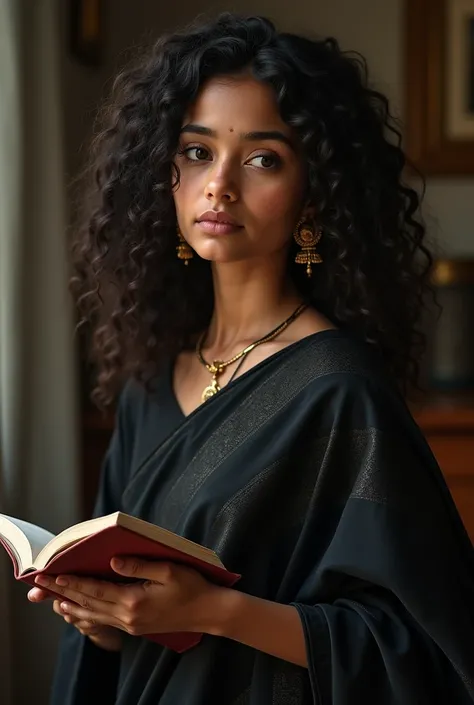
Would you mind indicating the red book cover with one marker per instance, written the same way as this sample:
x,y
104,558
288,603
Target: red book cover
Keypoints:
x,y
91,557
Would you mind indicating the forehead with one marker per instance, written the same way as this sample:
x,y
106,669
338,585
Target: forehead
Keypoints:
x,y
239,103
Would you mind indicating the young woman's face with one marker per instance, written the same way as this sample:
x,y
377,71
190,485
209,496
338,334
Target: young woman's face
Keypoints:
x,y
238,162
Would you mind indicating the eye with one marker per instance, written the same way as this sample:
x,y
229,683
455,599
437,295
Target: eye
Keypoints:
x,y
196,154
265,161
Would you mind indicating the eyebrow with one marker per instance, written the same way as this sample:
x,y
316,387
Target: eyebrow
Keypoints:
x,y
256,136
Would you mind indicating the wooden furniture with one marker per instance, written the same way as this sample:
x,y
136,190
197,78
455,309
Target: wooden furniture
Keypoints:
x,y
448,426
431,74
96,433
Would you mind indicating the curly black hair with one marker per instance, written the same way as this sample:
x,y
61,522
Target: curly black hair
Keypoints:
x,y
142,305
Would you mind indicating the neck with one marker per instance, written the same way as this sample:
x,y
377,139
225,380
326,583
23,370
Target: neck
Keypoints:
x,y
250,301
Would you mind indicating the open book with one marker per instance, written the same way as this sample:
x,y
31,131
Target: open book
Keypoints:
x,y
87,549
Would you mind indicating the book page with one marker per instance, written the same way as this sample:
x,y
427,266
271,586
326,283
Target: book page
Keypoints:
x,y
35,536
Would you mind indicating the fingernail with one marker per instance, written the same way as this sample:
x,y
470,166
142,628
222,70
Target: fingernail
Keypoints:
x,y
64,606
42,580
62,581
119,563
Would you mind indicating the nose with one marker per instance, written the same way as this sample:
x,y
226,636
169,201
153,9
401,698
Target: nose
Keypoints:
x,y
221,186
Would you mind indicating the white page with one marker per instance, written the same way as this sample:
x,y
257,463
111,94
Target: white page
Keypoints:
x,y
37,537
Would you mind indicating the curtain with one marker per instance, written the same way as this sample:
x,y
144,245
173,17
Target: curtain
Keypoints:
x,y
38,395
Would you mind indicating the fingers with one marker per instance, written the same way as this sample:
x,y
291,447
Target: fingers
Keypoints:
x,y
85,626
69,618
91,621
156,571
57,607
94,595
38,595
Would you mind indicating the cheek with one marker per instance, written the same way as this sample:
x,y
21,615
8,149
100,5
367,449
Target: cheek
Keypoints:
x,y
277,203
274,204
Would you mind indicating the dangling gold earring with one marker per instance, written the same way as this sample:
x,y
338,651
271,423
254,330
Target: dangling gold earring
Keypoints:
x,y
184,250
307,239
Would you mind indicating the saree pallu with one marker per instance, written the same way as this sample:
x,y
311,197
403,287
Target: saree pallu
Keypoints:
x,y
309,477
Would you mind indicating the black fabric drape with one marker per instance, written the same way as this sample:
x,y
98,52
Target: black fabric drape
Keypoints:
x,y
309,477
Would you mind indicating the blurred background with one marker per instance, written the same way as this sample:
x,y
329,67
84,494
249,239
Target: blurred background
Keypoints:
x,y
57,61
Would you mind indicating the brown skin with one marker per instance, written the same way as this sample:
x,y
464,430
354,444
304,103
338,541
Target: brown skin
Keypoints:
x,y
108,638
260,183
172,598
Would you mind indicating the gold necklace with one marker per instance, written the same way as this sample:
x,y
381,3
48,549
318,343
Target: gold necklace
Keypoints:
x,y
217,367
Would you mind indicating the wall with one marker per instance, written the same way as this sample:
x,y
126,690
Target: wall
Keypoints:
x,y
85,88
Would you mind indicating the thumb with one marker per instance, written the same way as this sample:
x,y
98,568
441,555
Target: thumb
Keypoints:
x,y
38,595
134,568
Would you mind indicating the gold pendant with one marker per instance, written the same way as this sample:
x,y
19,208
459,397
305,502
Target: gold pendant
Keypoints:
x,y
211,390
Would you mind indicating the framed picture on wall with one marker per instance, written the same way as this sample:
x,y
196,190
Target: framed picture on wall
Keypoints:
x,y
439,80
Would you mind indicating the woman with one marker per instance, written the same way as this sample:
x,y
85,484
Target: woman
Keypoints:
x,y
264,273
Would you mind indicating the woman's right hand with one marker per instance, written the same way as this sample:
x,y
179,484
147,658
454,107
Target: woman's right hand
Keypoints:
x,y
104,637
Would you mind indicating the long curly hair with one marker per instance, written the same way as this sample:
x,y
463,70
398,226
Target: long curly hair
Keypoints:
x,y
142,305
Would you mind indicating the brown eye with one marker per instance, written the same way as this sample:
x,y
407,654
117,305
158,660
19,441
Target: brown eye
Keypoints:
x,y
265,161
196,154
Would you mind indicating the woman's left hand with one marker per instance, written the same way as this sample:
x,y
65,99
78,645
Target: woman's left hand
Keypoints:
x,y
171,598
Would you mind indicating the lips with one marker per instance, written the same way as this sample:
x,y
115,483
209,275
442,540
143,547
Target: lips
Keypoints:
x,y
217,223
218,217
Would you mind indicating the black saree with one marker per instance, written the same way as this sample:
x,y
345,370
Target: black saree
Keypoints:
x,y
309,477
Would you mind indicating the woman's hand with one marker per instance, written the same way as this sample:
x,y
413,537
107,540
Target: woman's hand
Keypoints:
x,y
172,598
106,638
168,598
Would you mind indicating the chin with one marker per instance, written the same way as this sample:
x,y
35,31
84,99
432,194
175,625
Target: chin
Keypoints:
x,y
218,254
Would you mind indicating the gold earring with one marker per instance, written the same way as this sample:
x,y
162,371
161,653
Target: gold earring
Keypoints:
x,y
183,249
307,239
